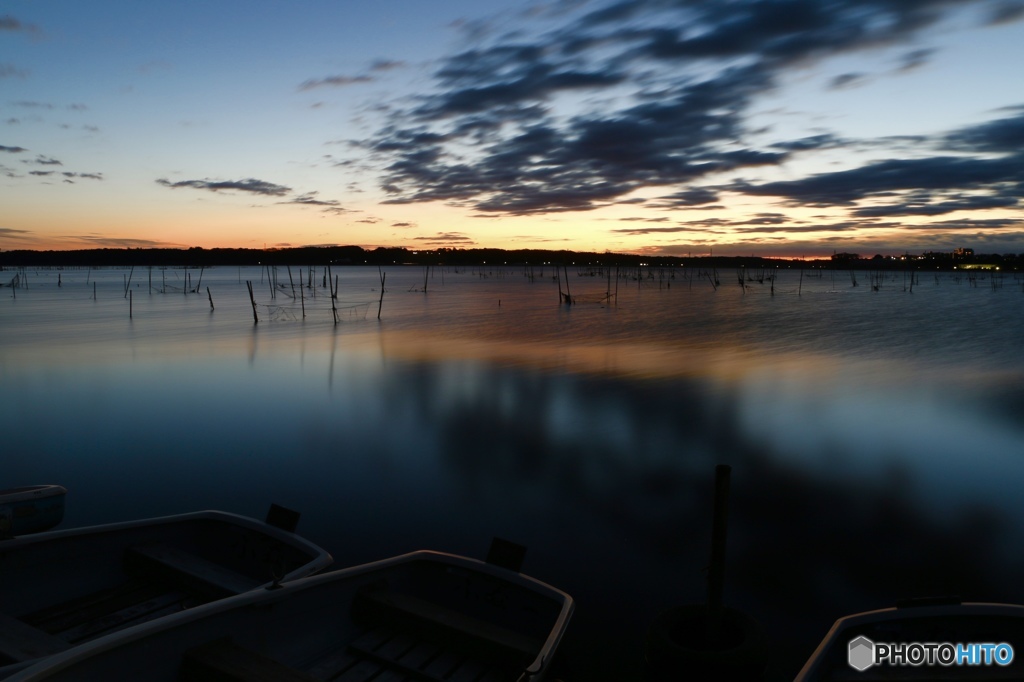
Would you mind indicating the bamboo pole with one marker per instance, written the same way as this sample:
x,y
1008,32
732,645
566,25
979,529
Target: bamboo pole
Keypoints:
x,y
211,297
380,303
334,294
252,299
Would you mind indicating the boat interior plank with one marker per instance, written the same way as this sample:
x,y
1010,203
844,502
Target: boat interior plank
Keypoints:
x,y
188,569
22,642
89,607
162,605
476,637
223,660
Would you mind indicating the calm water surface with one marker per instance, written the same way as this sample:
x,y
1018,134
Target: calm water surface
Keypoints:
x,y
876,437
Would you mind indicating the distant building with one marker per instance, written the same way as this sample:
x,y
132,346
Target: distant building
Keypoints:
x,y
963,253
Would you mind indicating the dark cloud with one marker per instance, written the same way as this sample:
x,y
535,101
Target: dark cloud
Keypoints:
x,y
937,208
638,219
844,188
846,80
11,71
100,241
1006,12
251,185
776,32
589,162
334,81
812,142
309,199
915,59
442,238
503,76
670,84
41,160
665,230
42,173
11,233
12,150
9,23
968,224
386,65
1001,136
403,224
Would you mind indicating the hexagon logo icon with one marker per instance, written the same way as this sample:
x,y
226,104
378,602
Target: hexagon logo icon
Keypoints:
x,y
861,655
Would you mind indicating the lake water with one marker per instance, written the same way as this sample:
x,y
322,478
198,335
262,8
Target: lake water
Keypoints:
x,y
876,437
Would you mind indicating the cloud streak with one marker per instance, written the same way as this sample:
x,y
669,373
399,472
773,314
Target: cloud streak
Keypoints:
x,y
248,185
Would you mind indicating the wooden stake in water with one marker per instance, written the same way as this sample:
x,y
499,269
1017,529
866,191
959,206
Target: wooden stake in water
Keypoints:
x,y
252,299
129,304
334,293
302,294
716,568
380,303
211,297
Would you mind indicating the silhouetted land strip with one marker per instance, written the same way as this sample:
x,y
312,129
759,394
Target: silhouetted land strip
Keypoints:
x,y
355,255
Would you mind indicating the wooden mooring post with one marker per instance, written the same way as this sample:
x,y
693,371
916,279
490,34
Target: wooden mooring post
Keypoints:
x,y
252,299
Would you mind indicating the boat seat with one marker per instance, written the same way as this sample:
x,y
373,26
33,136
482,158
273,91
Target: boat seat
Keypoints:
x,y
22,642
191,570
222,660
452,628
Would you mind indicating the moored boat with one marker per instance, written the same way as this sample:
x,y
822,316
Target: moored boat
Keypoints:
x,y
62,588
31,509
930,639
424,616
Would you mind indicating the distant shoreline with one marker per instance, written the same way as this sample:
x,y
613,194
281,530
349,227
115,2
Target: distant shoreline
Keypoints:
x,y
356,255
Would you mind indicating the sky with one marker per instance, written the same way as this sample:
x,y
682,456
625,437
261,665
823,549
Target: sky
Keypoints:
x,y
780,128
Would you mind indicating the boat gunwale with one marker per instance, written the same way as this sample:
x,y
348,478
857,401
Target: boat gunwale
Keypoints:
x,y
319,558
29,493
266,595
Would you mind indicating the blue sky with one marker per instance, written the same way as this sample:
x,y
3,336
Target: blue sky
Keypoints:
x,y
768,127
